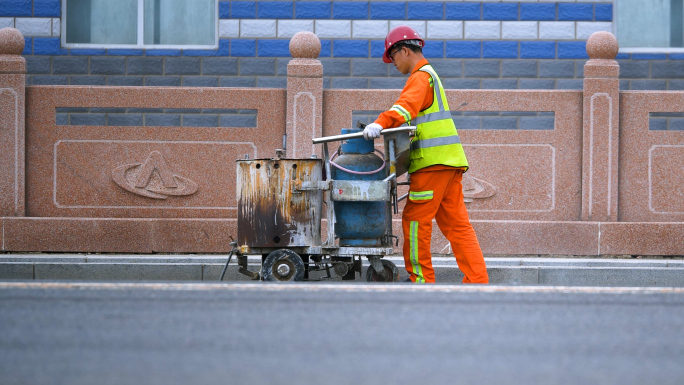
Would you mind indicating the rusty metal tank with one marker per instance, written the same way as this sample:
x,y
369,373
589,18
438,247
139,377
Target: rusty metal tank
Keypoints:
x,y
272,211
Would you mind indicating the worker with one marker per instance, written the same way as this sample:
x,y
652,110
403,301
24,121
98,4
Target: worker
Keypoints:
x,y
437,164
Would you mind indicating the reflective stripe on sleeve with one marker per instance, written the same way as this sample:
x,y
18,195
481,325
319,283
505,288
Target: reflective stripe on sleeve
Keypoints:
x,y
402,111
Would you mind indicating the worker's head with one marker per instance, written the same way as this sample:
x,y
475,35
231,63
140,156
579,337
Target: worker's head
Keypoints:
x,y
399,38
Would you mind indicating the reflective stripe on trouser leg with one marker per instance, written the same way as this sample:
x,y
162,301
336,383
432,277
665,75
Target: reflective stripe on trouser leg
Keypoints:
x,y
421,195
413,245
416,222
416,249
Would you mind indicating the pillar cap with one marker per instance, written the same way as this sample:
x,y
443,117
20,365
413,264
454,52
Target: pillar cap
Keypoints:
x,y
305,45
602,45
11,41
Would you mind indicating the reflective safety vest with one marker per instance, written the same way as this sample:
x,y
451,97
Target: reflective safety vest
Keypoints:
x,y
436,140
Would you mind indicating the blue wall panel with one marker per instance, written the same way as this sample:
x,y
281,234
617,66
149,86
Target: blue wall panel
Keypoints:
x,y
425,11
15,8
243,47
396,11
540,12
578,11
463,11
572,50
350,48
499,49
537,50
350,10
313,10
243,9
463,49
46,8
275,10
603,12
500,11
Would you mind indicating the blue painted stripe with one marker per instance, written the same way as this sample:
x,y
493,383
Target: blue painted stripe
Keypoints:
x,y
356,48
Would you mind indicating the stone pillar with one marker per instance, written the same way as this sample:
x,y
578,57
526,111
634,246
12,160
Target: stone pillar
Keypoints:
x,y
12,111
304,96
601,130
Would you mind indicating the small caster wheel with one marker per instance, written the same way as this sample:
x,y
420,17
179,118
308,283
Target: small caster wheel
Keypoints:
x,y
391,273
283,265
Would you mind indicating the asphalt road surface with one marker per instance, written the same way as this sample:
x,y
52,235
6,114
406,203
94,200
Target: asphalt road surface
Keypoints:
x,y
257,333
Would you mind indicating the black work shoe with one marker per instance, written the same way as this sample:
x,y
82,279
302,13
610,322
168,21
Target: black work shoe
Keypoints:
x,y
407,280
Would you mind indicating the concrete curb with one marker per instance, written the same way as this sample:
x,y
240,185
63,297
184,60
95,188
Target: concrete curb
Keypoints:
x,y
508,270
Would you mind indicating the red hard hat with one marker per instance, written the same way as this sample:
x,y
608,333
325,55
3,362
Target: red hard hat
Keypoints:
x,y
400,33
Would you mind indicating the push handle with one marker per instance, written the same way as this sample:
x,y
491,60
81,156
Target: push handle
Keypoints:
x,y
335,138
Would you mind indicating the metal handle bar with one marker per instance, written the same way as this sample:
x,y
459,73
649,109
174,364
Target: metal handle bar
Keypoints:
x,y
388,131
335,138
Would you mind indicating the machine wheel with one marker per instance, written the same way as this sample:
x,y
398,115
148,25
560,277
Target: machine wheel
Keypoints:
x,y
283,265
391,273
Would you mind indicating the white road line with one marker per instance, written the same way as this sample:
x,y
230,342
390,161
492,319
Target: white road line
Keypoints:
x,y
356,288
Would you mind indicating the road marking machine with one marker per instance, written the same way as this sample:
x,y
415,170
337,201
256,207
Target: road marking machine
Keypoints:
x,y
280,207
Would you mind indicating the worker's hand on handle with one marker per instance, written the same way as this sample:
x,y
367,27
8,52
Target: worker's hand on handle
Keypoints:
x,y
372,131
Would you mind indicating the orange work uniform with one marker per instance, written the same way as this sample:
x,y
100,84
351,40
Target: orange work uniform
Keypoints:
x,y
435,193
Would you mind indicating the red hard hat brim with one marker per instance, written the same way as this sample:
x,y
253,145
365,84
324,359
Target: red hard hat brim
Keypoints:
x,y
386,58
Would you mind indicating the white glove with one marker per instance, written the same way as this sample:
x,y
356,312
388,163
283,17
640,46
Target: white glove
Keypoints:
x,y
372,131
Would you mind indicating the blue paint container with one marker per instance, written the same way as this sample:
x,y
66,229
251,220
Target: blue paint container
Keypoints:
x,y
359,223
